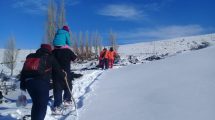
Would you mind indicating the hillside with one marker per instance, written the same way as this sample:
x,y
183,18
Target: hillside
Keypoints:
x,y
177,88
148,86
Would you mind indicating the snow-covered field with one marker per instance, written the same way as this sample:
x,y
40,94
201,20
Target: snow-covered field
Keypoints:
x,y
179,87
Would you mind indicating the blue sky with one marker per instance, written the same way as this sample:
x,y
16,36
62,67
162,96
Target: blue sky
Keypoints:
x,y
132,20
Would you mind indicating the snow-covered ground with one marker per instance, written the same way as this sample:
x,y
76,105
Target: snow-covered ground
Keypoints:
x,y
175,88
169,47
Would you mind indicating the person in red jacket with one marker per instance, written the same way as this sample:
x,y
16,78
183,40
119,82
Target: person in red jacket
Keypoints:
x,y
103,59
111,56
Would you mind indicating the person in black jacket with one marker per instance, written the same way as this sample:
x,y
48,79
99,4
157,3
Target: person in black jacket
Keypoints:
x,y
38,86
64,57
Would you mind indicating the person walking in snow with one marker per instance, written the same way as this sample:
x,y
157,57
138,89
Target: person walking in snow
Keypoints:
x,y
62,38
111,56
106,61
64,58
101,58
35,78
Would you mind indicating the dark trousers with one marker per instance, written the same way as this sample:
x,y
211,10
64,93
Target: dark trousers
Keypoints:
x,y
39,92
106,63
60,87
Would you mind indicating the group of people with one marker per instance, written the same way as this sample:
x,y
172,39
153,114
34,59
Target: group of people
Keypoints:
x,y
45,65
57,67
107,57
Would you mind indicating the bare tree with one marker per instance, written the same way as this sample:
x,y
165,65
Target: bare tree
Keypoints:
x,y
10,54
81,40
90,45
112,39
61,15
97,43
51,22
100,43
87,49
75,44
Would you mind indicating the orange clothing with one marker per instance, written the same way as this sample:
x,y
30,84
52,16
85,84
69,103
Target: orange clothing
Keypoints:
x,y
112,55
110,61
107,54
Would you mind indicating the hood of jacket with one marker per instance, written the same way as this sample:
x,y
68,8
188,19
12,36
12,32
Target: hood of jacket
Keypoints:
x,y
43,51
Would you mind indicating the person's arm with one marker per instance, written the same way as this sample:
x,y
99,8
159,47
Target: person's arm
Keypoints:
x,y
22,79
72,55
22,82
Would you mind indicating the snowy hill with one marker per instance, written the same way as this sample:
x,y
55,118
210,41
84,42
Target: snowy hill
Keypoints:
x,y
139,50
164,48
152,90
177,88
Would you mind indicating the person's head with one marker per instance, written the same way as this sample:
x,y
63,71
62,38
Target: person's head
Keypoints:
x,y
66,28
111,48
105,49
48,47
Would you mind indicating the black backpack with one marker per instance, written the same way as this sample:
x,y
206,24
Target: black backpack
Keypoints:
x,y
35,65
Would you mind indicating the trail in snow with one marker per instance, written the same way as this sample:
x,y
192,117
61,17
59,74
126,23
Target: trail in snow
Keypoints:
x,y
81,88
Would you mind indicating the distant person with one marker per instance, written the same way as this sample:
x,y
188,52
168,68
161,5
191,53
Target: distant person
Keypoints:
x,y
62,38
111,56
101,58
35,77
106,62
64,58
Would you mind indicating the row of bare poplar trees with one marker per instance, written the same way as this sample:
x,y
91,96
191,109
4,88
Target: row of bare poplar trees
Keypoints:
x,y
86,45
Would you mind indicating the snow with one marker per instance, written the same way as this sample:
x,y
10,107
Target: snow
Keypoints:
x,y
178,87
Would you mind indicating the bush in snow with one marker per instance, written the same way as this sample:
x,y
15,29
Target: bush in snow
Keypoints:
x,y
133,59
200,46
153,57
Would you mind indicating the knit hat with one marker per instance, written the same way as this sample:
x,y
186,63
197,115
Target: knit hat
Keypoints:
x,y
46,46
111,48
66,28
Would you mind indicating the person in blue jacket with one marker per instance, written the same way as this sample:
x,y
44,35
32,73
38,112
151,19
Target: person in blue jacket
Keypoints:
x,y
62,38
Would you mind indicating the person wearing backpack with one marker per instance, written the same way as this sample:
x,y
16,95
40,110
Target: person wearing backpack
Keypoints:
x,y
35,78
62,38
64,58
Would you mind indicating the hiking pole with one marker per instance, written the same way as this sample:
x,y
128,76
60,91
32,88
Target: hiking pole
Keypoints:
x,y
70,91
